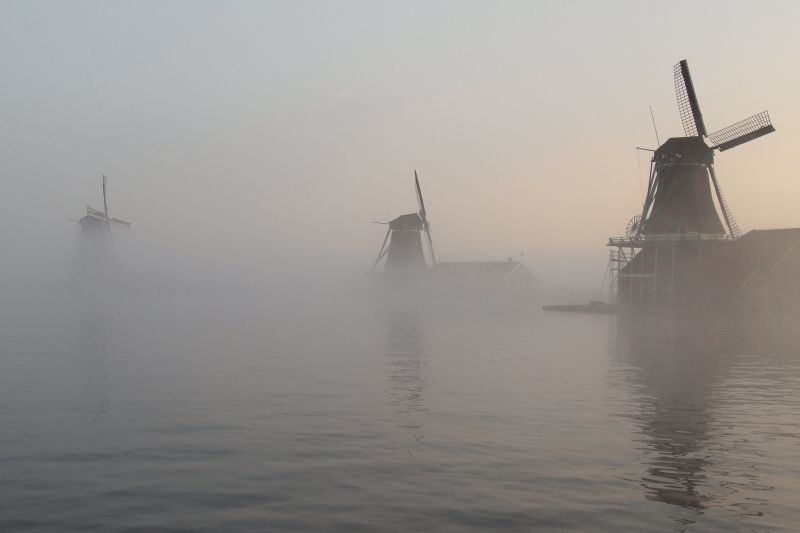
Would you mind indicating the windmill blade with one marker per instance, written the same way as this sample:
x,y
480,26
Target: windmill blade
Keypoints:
x,y
105,199
689,109
383,251
743,131
733,227
430,242
424,216
120,222
420,201
652,186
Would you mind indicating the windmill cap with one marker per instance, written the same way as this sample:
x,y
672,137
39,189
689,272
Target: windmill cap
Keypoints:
x,y
685,149
409,222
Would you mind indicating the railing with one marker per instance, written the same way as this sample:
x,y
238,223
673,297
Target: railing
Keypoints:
x,y
644,240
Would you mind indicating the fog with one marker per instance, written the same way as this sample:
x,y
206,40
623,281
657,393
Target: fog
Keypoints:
x,y
230,362
258,141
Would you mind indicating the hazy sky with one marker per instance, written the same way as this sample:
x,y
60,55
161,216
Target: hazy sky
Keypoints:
x,y
256,138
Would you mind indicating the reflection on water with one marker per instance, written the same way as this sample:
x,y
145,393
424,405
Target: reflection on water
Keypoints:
x,y
90,347
693,389
93,345
675,397
209,412
406,362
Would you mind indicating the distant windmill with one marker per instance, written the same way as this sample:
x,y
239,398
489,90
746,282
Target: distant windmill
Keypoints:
x,y
679,199
95,243
402,245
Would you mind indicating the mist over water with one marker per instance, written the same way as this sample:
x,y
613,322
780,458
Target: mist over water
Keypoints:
x,y
240,409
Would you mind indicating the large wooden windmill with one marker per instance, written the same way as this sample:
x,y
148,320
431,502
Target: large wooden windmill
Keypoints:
x,y
402,247
679,224
679,198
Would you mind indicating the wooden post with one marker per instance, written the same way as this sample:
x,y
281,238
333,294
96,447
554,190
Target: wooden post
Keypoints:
x,y
672,283
641,278
655,278
630,278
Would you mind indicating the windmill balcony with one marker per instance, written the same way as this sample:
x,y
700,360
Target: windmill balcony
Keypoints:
x,y
644,240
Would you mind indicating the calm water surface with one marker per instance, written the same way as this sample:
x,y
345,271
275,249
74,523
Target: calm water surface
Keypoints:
x,y
255,412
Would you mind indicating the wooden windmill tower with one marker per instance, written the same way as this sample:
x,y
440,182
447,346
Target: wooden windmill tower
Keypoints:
x,y
402,247
679,222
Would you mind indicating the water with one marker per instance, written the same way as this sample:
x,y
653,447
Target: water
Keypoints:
x,y
217,412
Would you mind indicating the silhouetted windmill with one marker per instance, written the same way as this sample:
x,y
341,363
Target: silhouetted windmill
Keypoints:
x,y
679,226
95,243
402,245
679,197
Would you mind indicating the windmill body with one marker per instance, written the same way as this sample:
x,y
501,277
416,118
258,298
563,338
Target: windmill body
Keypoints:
x,y
683,202
93,245
680,227
405,246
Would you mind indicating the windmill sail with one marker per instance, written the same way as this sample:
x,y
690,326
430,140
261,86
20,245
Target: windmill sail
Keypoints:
x,y
688,107
743,131
424,215
420,200
91,211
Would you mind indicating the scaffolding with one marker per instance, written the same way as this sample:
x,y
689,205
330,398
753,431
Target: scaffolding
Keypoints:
x,y
617,260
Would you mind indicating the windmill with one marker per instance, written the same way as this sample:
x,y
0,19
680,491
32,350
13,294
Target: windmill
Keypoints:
x,y
95,243
679,225
402,247
679,199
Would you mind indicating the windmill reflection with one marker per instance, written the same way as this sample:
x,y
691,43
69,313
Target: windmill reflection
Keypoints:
x,y
672,369
406,360
91,345
708,396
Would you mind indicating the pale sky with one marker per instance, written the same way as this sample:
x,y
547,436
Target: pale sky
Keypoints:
x,y
258,138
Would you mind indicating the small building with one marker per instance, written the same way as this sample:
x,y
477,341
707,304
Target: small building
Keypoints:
x,y
485,277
